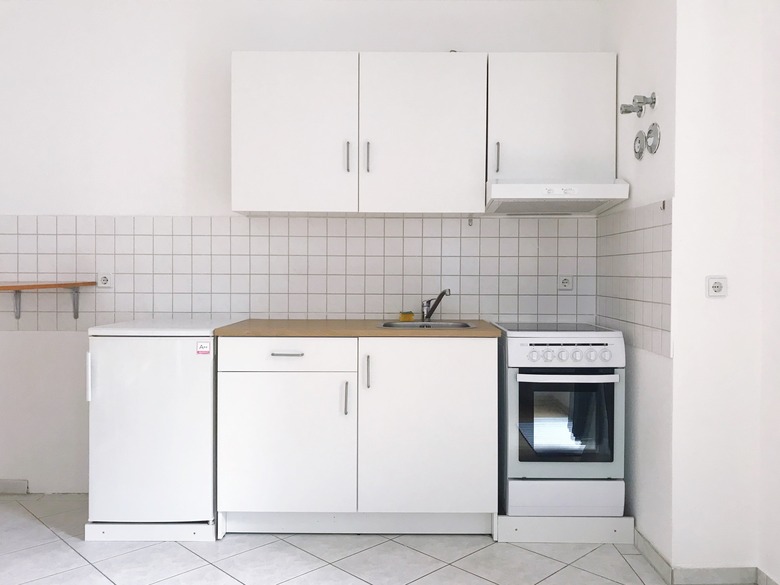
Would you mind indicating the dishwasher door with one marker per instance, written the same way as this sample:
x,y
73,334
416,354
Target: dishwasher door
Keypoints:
x,y
151,429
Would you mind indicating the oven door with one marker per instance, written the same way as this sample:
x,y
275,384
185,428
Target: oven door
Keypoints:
x,y
565,423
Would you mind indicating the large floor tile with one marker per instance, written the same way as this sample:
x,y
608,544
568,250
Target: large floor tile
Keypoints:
x,y
87,575
389,564
67,524
270,564
564,552
574,576
645,570
51,504
506,564
608,562
19,529
230,545
627,549
150,564
95,552
20,497
328,575
208,575
451,576
446,547
334,547
36,562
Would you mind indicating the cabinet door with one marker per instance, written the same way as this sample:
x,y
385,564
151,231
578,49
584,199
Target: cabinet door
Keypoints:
x,y
554,116
422,132
293,117
287,442
428,425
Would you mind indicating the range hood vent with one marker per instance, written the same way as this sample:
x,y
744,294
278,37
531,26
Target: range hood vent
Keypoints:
x,y
554,198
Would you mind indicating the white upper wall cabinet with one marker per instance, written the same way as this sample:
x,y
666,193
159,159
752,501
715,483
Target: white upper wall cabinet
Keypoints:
x,y
551,117
422,132
294,131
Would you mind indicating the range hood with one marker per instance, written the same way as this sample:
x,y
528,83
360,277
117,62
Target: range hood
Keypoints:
x,y
574,198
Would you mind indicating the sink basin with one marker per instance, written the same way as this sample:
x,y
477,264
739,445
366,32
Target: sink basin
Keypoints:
x,y
426,324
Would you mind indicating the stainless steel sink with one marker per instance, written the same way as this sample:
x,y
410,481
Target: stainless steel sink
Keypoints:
x,y
426,324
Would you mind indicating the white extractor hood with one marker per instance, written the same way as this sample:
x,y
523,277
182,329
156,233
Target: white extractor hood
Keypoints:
x,y
574,198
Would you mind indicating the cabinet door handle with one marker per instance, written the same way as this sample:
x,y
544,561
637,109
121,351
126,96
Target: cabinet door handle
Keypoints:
x,y
368,371
368,157
346,398
281,354
498,156
347,155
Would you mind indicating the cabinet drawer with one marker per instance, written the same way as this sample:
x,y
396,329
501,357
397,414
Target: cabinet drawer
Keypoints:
x,y
287,354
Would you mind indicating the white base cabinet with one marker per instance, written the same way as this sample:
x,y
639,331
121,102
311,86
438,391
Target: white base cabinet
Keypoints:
x,y
412,429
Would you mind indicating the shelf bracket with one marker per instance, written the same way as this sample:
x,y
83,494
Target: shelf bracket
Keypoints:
x,y
18,304
74,292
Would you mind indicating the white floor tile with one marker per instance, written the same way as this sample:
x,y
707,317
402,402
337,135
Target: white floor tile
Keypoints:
x,y
564,552
334,547
67,524
230,545
207,575
645,570
149,565
574,576
389,564
87,575
270,564
20,530
451,576
20,497
328,575
51,504
95,552
509,565
446,547
627,549
37,562
608,562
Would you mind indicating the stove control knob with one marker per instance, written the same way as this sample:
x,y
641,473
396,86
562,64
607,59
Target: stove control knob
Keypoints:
x,y
606,355
533,356
549,355
576,355
591,355
563,355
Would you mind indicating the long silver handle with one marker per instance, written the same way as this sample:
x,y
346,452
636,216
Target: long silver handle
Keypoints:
x,y
346,398
368,157
89,377
498,156
562,379
368,371
347,155
280,354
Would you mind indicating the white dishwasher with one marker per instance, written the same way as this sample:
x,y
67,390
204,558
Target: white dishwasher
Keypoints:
x,y
150,387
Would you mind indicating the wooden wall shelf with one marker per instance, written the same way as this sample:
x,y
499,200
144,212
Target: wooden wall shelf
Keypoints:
x,y
18,287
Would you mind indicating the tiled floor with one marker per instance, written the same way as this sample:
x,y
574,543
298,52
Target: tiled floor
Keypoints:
x,y
42,541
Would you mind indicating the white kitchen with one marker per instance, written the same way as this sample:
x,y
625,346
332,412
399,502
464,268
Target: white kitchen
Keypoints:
x,y
117,158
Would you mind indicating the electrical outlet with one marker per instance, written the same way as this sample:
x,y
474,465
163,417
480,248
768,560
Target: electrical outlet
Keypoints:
x,y
565,283
105,280
717,286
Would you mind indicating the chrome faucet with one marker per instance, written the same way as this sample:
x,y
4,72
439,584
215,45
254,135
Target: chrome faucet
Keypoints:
x,y
428,309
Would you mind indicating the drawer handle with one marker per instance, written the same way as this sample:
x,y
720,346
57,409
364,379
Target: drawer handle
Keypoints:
x,y
281,354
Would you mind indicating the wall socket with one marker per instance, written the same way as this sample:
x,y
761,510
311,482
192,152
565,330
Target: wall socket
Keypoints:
x,y
565,282
105,280
717,286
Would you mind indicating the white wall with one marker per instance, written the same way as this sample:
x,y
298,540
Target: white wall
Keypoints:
x,y
717,365
43,419
123,108
643,35
770,402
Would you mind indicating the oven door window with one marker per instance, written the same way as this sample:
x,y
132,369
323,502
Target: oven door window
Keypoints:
x,y
566,415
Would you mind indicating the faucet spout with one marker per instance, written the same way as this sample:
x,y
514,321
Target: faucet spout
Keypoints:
x,y
428,309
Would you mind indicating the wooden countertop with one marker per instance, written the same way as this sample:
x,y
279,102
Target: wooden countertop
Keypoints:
x,y
37,285
345,328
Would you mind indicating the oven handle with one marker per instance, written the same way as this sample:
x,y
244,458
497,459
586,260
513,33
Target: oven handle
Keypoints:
x,y
563,379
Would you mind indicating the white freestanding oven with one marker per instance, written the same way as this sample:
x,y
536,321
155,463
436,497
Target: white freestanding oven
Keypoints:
x,y
562,426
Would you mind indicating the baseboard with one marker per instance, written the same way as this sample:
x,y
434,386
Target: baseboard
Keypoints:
x,y
764,579
13,486
656,560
